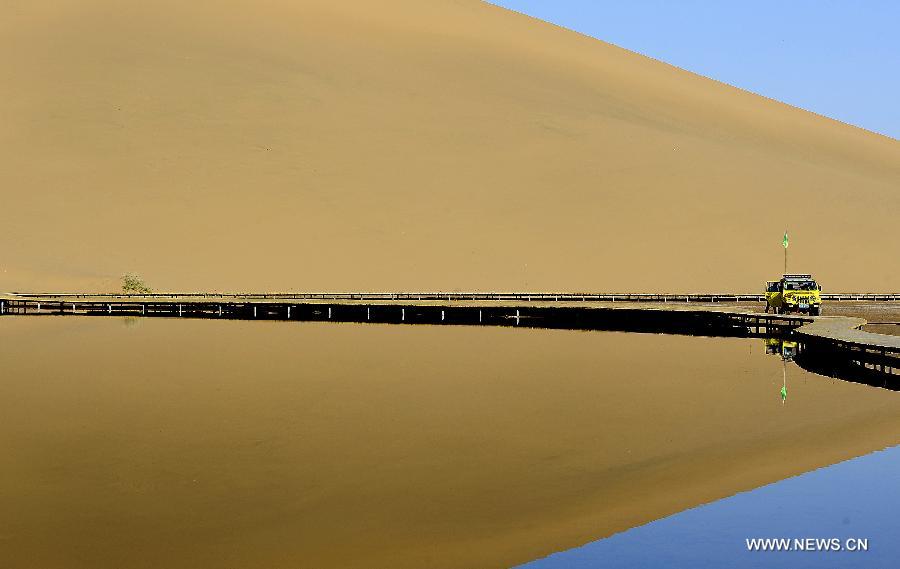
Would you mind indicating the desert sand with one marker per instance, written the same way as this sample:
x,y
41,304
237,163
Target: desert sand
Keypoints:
x,y
882,317
407,144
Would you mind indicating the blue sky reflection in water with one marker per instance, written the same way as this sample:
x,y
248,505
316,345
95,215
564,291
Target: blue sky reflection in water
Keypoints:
x,y
858,498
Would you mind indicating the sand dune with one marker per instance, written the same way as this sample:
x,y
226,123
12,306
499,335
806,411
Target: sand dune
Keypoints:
x,y
405,144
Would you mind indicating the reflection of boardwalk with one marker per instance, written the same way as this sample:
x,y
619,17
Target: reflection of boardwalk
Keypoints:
x,y
836,346
832,342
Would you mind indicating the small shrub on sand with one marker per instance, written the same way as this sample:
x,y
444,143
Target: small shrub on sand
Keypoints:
x,y
132,284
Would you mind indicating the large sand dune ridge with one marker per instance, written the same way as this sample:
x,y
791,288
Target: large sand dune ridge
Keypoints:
x,y
406,144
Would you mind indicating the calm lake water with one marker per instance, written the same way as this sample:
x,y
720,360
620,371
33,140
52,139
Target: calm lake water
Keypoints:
x,y
173,443
852,501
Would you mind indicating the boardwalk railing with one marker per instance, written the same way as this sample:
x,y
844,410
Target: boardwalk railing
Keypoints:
x,y
470,296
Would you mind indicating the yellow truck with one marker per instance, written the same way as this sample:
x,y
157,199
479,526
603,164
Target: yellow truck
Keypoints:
x,y
794,293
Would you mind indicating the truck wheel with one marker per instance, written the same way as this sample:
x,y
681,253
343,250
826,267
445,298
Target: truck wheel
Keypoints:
x,y
815,311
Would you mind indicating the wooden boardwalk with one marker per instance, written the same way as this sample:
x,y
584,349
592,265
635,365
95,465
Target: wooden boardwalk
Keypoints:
x,y
828,342
463,296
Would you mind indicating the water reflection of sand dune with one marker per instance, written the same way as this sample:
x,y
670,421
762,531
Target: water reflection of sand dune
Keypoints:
x,y
194,443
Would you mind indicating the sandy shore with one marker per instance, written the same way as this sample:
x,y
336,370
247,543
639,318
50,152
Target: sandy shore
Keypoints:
x,y
883,317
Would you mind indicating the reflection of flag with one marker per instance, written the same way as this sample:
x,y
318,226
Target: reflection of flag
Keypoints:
x,y
784,241
783,392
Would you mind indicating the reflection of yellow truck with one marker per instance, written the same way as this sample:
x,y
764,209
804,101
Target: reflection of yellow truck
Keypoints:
x,y
784,348
794,293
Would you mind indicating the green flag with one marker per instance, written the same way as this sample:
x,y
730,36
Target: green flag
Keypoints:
x,y
784,241
783,393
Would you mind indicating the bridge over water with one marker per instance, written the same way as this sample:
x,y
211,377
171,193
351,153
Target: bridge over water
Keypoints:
x,y
832,345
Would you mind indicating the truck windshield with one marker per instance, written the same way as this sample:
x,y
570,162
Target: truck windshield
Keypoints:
x,y
800,285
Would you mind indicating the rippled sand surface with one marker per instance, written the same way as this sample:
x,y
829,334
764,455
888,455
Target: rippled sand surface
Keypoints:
x,y
185,444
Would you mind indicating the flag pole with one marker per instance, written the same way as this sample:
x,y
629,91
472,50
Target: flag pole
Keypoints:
x,y
784,243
